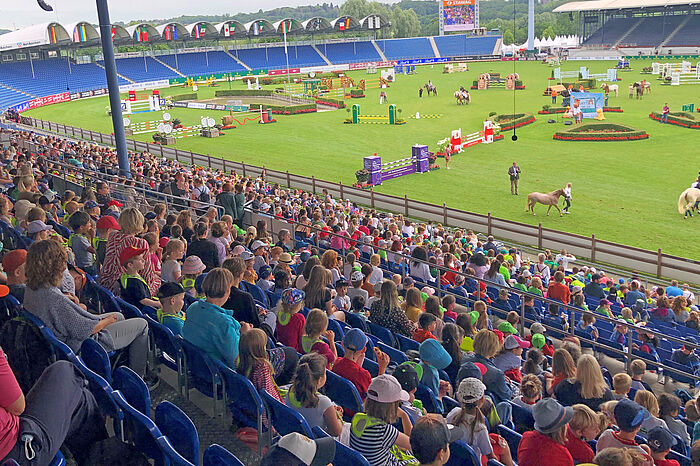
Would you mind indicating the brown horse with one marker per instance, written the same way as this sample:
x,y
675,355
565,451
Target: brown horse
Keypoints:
x,y
550,199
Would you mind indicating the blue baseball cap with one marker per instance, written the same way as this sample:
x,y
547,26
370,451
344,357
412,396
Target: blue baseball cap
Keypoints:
x,y
265,271
660,438
432,352
354,339
91,205
629,415
292,296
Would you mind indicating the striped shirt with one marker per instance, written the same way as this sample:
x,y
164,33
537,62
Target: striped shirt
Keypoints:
x,y
375,444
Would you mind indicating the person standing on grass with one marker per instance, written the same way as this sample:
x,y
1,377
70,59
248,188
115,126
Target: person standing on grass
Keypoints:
x,y
514,173
567,197
664,113
577,113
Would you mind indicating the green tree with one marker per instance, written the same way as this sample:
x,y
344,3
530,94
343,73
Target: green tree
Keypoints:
x,y
549,32
508,37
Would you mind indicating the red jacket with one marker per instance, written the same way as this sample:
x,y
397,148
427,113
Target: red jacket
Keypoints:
x,y
532,448
559,291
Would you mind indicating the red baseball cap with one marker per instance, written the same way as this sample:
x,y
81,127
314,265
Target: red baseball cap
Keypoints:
x,y
114,202
108,223
14,259
163,241
129,252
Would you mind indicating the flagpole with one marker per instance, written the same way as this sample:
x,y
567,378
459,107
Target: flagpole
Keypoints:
x,y
286,54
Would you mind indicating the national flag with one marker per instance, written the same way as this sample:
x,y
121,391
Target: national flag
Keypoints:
x,y
114,32
256,29
76,35
341,25
199,30
53,35
227,29
347,23
142,35
167,33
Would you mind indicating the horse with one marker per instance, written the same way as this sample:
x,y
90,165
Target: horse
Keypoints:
x,y
549,199
463,97
639,87
608,88
688,202
430,88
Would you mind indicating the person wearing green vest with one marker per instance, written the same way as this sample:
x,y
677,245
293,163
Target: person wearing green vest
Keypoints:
x,y
172,298
372,433
134,289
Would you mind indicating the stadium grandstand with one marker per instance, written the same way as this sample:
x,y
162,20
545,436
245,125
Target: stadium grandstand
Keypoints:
x,y
212,312
648,27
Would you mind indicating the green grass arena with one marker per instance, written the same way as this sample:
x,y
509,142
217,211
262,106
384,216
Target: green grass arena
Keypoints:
x,y
625,192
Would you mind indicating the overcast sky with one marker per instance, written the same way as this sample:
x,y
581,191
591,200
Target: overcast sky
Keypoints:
x,y
21,13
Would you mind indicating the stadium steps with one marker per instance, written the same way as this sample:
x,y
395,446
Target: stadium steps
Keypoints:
x,y
379,50
17,90
238,60
497,46
168,66
320,54
675,31
630,31
120,75
434,46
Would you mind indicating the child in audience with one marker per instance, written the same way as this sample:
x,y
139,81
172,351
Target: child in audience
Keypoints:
x,y
254,363
466,323
350,365
303,396
535,286
521,283
80,243
619,335
507,329
372,433
622,457
669,408
530,391
621,385
171,296
604,308
133,288
637,370
449,303
154,250
433,357
660,441
105,226
431,437
191,269
535,363
14,266
408,374
483,321
587,324
290,322
357,307
38,230
317,325
264,276
469,417
648,401
341,300
628,417
693,415
608,410
413,304
502,301
432,306
510,360
171,271
427,323
583,427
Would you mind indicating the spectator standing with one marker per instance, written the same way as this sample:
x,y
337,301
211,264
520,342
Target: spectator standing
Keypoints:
x,y
204,248
514,173
664,113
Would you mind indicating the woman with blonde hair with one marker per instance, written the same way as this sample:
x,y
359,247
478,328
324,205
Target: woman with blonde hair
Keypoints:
x,y
318,295
589,386
648,400
329,260
584,426
680,309
386,311
131,223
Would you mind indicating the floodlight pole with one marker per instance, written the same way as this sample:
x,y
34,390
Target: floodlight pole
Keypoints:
x,y
531,25
113,87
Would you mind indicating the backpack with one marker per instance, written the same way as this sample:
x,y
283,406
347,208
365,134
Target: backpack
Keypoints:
x,y
204,195
27,351
114,452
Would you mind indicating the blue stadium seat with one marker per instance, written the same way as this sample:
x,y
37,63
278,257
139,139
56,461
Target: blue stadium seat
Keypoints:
x,y
284,419
141,431
104,395
428,398
406,344
513,439
201,371
343,392
462,454
171,454
216,455
344,456
382,333
371,366
396,356
522,418
179,430
449,404
96,359
133,388
169,346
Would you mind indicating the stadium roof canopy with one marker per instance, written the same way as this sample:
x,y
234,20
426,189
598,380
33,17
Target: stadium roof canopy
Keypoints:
x,y
597,5
35,36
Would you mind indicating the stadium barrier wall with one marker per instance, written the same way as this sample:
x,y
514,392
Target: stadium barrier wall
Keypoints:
x,y
653,263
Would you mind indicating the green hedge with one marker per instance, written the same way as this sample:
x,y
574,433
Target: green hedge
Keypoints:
x,y
286,109
516,120
601,132
587,83
339,103
243,92
679,118
191,96
357,92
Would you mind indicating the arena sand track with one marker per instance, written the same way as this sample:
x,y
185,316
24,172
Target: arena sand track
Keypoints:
x,y
625,192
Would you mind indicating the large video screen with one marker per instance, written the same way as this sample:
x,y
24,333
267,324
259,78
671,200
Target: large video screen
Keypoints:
x,y
458,15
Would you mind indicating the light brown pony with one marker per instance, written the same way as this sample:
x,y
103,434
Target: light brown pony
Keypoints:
x,y
686,203
550,199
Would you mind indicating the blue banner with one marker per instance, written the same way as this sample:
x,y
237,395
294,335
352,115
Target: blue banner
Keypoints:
x,y
589,103
423,61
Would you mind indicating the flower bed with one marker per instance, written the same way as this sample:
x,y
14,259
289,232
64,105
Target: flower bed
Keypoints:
x,y
331,102
510,121
684,119
551,110
601,132
287,109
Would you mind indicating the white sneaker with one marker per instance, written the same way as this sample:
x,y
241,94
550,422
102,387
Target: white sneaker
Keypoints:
x,y
567,212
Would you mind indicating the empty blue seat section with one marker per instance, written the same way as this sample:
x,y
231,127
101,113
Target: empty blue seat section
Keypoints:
x,y
688,34
349,52
274,57
192,64
398,49
653,30
137,69
611,32
459,45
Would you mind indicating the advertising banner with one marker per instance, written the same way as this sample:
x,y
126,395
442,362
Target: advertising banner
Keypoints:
x,y
378,64
458,15
144,85
589,103
279,72
423,61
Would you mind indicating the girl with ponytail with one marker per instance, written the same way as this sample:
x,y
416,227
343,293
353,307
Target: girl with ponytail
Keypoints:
x,y
303,396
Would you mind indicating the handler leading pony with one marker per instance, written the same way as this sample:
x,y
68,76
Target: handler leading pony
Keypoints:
x,y
549,199
688,201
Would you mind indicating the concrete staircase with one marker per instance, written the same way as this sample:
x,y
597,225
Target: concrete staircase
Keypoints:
x,y
675,31
121,76
321,54
169,67
434,46
379,51
497,47
237,60
635,26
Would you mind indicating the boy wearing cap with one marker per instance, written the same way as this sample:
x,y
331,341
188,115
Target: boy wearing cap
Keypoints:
x,y
13,265
431,438
38,230
356,280
510,360
171,296
427,323
264,282
298,450
629,417
660,441
260,254
80,241
350,365
408,375
341,300
134,289
619,335
507,329
686,355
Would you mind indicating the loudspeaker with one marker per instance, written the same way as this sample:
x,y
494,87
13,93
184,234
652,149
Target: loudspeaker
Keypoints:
x,y
44,6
